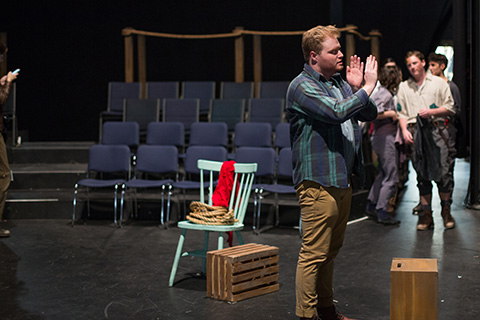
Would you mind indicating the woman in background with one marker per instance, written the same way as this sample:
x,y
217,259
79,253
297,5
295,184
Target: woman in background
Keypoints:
x,y
383,143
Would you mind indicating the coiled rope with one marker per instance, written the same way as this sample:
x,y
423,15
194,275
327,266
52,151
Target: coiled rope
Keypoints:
x,y
203,213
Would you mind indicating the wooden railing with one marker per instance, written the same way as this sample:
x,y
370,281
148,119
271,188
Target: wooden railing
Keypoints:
x,y
238,34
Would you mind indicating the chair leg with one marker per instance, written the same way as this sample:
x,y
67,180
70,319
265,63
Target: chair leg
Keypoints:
x,y
205,249
74,204
162,218
240,238
259,211
277,211
220,241
121,205
135,204
115,222
168,202
88,202
178,254
184,205
255,204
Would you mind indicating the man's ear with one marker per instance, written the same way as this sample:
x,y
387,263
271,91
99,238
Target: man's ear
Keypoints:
x,y
443,66
313,57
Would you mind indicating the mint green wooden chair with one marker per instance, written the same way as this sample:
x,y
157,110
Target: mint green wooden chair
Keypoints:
x,y
244,176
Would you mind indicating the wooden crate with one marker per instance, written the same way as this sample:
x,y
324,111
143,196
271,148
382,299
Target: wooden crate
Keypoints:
x,y
242,272
413,289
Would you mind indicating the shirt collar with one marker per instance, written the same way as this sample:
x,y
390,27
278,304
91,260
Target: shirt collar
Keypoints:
x,y
318,76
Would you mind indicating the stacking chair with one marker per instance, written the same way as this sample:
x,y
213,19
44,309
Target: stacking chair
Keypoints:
x,y
253,134
121,133
236,90
202,90
273,89
209,134
248,134
181,110
167,134
141,111
284,170
162,90
111,163
230,111
282,136
266,110
153,162
117,91
191,179
265,158
243,178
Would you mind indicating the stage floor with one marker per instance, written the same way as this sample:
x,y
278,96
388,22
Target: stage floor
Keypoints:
x,y
49,270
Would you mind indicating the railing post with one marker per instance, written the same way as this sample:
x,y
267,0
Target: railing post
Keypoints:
x,y
239,57
142,65
375,43
128,40
257,62
349,44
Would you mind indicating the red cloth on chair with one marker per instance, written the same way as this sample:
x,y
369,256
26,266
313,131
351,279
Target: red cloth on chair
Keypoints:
x,y
221,195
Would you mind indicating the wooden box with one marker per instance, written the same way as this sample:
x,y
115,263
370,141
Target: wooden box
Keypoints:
x,y
414,289
242,272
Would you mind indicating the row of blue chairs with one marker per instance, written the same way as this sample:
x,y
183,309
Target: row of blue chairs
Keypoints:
x,y
252,134
187,111
112,166
203,90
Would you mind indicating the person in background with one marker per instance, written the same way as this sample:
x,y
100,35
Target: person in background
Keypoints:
x,y
383,143
437,63
425,103
5,87
323,111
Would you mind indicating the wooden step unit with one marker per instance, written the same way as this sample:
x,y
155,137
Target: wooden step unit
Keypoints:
x,y
414,289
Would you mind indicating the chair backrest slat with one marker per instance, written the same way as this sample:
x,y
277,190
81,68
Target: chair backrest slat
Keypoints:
x,y
243,178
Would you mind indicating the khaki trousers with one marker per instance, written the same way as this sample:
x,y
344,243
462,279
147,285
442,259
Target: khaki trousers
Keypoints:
x,y
4,176
324,212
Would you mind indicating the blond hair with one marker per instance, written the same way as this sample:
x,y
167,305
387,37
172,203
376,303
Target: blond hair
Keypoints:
x,y
313,39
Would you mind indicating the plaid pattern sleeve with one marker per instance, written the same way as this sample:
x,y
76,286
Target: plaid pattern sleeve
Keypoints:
x,y
316,113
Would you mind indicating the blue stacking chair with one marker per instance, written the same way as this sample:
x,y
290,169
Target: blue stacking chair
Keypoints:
x,y
236,90
202,90
257,134
266,110
111,163
141,111
209,134
284,170
189,181
282,136
154,160
265,158
273,89
185,111
230,111
243,178
167,134
121,133
162,90
117,92
248,134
